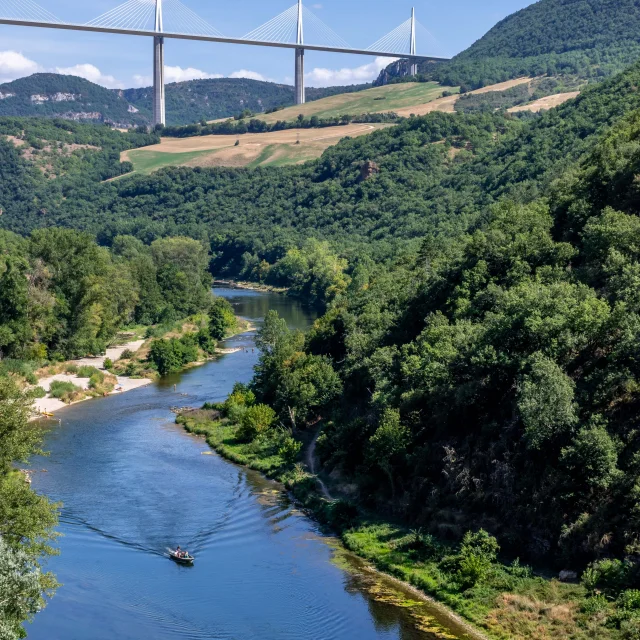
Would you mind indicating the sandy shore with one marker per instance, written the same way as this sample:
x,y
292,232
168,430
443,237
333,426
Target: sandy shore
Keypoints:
x,y
51,405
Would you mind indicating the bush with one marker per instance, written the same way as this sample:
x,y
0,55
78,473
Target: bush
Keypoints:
x,y
289,448
170,356
610,576
108,364
71,368
96,379
127,354
86,371
38,392
255,421
629,600
60,388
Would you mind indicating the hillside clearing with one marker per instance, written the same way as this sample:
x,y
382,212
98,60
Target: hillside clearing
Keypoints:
x,y
276,148
548,102
392,97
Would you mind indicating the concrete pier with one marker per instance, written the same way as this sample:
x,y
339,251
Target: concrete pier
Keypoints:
x,y
300,93
159,115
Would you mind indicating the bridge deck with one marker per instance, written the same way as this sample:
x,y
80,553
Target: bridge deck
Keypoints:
x,y
223,39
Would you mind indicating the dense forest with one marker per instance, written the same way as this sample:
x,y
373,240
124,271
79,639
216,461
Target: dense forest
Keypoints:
x,y
51,95
588,38
429,175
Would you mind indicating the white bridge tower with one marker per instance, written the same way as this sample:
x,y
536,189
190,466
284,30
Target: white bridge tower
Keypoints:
x,y
159,112
413,65
300,93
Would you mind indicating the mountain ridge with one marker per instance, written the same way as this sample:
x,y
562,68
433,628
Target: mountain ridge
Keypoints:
x,y
53,95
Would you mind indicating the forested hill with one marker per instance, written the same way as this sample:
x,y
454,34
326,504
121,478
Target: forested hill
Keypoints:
x,y
374,195
210,99
53,95
589,38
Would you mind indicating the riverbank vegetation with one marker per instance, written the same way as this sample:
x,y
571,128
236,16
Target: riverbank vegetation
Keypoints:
x,y
485,382
26,519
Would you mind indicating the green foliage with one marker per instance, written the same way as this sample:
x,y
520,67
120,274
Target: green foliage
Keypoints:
x,y
86,371
108,364
256,420
222,319
588,38
169,356
545,401
61,389
609,575
26,519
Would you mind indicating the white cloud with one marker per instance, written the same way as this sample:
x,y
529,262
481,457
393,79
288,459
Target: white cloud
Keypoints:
x,y
320,77
14,65
93,74
178,74
251,75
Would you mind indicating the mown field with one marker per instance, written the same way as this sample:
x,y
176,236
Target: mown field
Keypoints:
x,y
276,148
377,100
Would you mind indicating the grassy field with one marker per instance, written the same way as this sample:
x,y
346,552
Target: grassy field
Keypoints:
x,y
377,100
276,148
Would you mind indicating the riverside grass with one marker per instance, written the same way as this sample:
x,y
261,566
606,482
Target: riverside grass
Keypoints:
x,y
509,602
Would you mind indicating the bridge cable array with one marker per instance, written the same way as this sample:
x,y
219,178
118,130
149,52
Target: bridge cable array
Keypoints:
x,y
26,10
284,27
400,39
139,15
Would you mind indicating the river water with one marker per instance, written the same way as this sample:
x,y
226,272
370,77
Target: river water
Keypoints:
x,y
132,484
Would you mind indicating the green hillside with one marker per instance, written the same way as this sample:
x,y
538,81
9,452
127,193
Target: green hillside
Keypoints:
x,y
53,95
587,38
211,99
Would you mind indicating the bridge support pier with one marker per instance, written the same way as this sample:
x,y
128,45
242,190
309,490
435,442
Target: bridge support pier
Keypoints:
x,y
300,92
159,114
413,68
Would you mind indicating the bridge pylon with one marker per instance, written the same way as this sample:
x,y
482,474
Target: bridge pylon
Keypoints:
x,y
159,110
299,71
413,66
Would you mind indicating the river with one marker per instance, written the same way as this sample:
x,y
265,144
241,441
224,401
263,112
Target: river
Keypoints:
x,y
132,484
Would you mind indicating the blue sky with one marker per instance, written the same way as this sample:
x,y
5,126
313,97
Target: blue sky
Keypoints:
x,y
125,61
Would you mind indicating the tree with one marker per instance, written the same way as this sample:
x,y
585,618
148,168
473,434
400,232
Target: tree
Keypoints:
x,y
388,444
257,419
545,401
26,519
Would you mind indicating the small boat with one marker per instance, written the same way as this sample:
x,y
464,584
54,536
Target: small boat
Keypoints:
x,y
179,560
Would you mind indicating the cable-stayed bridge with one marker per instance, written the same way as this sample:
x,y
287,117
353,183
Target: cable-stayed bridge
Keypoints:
x,y
297,28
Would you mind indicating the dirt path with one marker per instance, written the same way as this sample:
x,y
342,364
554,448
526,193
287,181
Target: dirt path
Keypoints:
x,y
310,460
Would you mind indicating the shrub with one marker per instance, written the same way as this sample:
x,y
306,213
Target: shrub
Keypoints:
x,y
127,354
86,371
289,448
96,379
255,421
108,364
71,368
38,392
31,378
60,389
610,576
629,600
